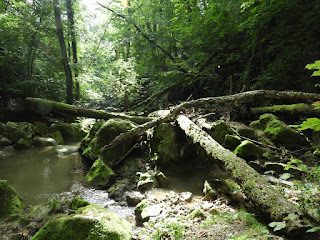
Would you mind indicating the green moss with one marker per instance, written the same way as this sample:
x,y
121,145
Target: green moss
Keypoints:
x,y
22,144
77,203
167,143
99,174
58,137
4,141
219,131
18,130
231,141
10,201
197,213
140,207
89,223
248,149
53,205
40,128
69,131
277,131
107,132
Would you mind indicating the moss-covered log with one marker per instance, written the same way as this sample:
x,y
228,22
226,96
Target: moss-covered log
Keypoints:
x,y
266,201
209,101
46,107
299,109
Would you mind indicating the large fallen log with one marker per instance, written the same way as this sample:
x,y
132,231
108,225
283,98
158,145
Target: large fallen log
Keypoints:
x,y
293,110
46,107
209,101
266,201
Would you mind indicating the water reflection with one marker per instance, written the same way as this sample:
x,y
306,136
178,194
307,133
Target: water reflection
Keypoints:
x,y
39,171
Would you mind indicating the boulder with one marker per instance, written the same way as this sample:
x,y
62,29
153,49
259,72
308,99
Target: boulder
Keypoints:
x,y
162,180
168,143
40,128
146,181
77,203
107,132
89,222
133,198
278,132
69,131
57,136
139,209
231,141
90,135
22,144
248,150
15,131
99,174
10,201
4,141
209,191
219,130
44,141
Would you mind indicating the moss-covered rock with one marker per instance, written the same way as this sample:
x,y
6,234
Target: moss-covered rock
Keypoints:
x,y
22,144
99,174
219,130
10,201
139,209
231,141
146,181
209,191
107,132
4,141
167,143
43,141
69,131
278,132
90,135
197,213
162,179
77,203
89,223
40,128
248,149
15,131
56,135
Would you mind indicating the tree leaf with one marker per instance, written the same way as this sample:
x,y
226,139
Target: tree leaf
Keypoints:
x,y
310,123
277,225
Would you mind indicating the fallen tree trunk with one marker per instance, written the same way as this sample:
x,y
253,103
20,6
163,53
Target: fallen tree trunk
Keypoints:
x,y
300,109
209,101
265,199
46,107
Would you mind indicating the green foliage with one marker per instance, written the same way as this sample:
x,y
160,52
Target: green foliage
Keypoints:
x,y
310,123
314,66
277,225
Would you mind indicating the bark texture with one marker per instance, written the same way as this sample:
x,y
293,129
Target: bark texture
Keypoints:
x,y
240,97
46,107
266,200
67,69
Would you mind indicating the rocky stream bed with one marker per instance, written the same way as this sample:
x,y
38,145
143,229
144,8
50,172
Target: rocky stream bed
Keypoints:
x,y
161,184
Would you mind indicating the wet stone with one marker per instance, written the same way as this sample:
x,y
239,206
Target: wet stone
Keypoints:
x,y
186,196
133,198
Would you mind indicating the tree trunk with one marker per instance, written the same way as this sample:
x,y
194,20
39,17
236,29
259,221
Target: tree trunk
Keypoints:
x,y
73,45
266,200
240,97
45,107
293,110
67,69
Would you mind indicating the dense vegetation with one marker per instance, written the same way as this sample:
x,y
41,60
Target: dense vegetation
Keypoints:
x,y
131,49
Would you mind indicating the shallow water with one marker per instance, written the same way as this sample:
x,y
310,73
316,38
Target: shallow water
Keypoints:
x,y
44,173
38,172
